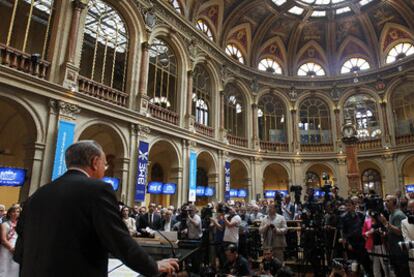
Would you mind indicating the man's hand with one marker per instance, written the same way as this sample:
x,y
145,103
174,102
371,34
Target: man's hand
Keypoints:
x,y
383,219
168,266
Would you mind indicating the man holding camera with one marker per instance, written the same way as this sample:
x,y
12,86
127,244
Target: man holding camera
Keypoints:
x,y
194,228
398,259
273,229
407,228
231,223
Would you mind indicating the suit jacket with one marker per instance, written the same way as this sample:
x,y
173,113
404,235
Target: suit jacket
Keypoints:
x,y
274,237
144,222
172,224
68,227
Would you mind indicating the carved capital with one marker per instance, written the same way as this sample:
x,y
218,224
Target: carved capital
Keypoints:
x,y
388,157
145,46
192,143
80,4
341,160
64,109
143,131
134,129
297,161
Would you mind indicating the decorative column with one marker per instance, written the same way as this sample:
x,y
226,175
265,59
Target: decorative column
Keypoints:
x,y
143,99
189,116
223,131
295,145
220,184
257,178
390,182
386,134
354,177
183,189
121,171
128,191
255,138
342,176
337,126
70,69
142,134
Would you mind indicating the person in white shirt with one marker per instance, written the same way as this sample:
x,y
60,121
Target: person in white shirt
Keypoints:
x,y
273,229
231,223
194,228
408,233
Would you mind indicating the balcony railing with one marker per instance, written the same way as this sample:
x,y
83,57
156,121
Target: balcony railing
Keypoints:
x,y
273,146
100,91
405,139
326,147
163,114
204,130
369,144
233,140
21,61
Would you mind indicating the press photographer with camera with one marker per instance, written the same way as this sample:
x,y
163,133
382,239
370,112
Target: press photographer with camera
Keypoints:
x,y
273,229
407,228
398,258
194,230
231,222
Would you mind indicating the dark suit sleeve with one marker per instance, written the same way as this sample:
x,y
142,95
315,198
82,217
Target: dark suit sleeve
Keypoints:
x,y
115,236
18,248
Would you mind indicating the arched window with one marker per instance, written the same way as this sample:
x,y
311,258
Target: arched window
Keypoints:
x,y
403,109
362,111
314,122
201,95
203,27
25,25
162,75
312,180
234,111
202,177
177,6
234,52
272,119
399,52
354,65
371,180
157,173
270,65
311,70
105,46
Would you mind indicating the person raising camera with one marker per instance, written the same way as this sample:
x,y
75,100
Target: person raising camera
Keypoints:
x,y
231,223
407,228
273,229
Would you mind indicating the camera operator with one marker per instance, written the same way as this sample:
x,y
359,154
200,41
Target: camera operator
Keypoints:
x,y
352,239
273,229
407,228
236,265
231,223
217,223
398,258
194,228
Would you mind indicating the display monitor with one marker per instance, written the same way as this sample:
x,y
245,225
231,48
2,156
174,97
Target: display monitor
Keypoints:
x,y
12,176
209,192
242,193
233,192
318,193
154,187
114,182
200,190
269,193
409,188
169,188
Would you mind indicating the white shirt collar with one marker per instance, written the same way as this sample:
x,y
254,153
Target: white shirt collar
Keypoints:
x,y
80,170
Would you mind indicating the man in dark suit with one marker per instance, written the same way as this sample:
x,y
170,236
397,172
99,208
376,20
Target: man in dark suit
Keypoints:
x,y
150,219
68,226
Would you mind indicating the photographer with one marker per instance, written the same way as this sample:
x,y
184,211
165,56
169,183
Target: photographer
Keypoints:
x,y
352,239
270,265
231,223
236,265
398,259
273,229
217,224
407,228
194,229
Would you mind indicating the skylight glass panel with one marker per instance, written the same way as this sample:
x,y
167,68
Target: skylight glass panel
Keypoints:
x,y
202,26
311,70
322,2
270,65
296,10
337,1
399,52
318,14
235,53
279,2
308,1
343,10
354,65
364,2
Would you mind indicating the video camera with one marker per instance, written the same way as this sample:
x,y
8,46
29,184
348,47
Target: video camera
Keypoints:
x,y
297,190
374,203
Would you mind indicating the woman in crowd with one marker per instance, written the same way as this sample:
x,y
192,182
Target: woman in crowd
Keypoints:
x,y
129,221
9,268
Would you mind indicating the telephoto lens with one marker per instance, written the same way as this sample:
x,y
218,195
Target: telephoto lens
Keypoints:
x,y
406,245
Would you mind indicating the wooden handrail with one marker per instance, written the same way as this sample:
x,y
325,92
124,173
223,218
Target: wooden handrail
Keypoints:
x,y
273,146
163,114
322,147
239,141
204,129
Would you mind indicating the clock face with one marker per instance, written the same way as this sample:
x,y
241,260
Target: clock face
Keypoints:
x,y
348,131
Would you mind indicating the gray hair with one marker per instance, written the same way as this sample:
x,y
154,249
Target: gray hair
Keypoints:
x,y
81,153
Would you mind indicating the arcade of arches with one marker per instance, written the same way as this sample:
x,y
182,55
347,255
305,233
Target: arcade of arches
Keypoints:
x,y
266,90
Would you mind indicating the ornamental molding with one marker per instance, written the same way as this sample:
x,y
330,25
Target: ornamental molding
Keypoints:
x,y
64,109
143,131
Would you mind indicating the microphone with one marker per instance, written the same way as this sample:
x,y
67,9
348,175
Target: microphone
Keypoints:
x,y
169,242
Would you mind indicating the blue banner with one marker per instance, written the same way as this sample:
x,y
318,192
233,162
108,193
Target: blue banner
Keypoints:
x,y
242,193
272,193
12,177
66,133
193,177
209,192
155,187
169,188
227,181
142,171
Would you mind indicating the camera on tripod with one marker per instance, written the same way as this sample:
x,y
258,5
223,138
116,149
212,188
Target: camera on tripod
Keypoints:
x,y
297,190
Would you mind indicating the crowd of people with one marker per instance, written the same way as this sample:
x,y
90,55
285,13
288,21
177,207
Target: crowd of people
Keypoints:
x,y
365,229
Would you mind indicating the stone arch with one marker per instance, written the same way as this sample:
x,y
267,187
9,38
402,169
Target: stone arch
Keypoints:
x,y
407,170
212,12
20,145
388,39
353,47
235,36
265,52
275,176
239,175
303,58
318,168
366,164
